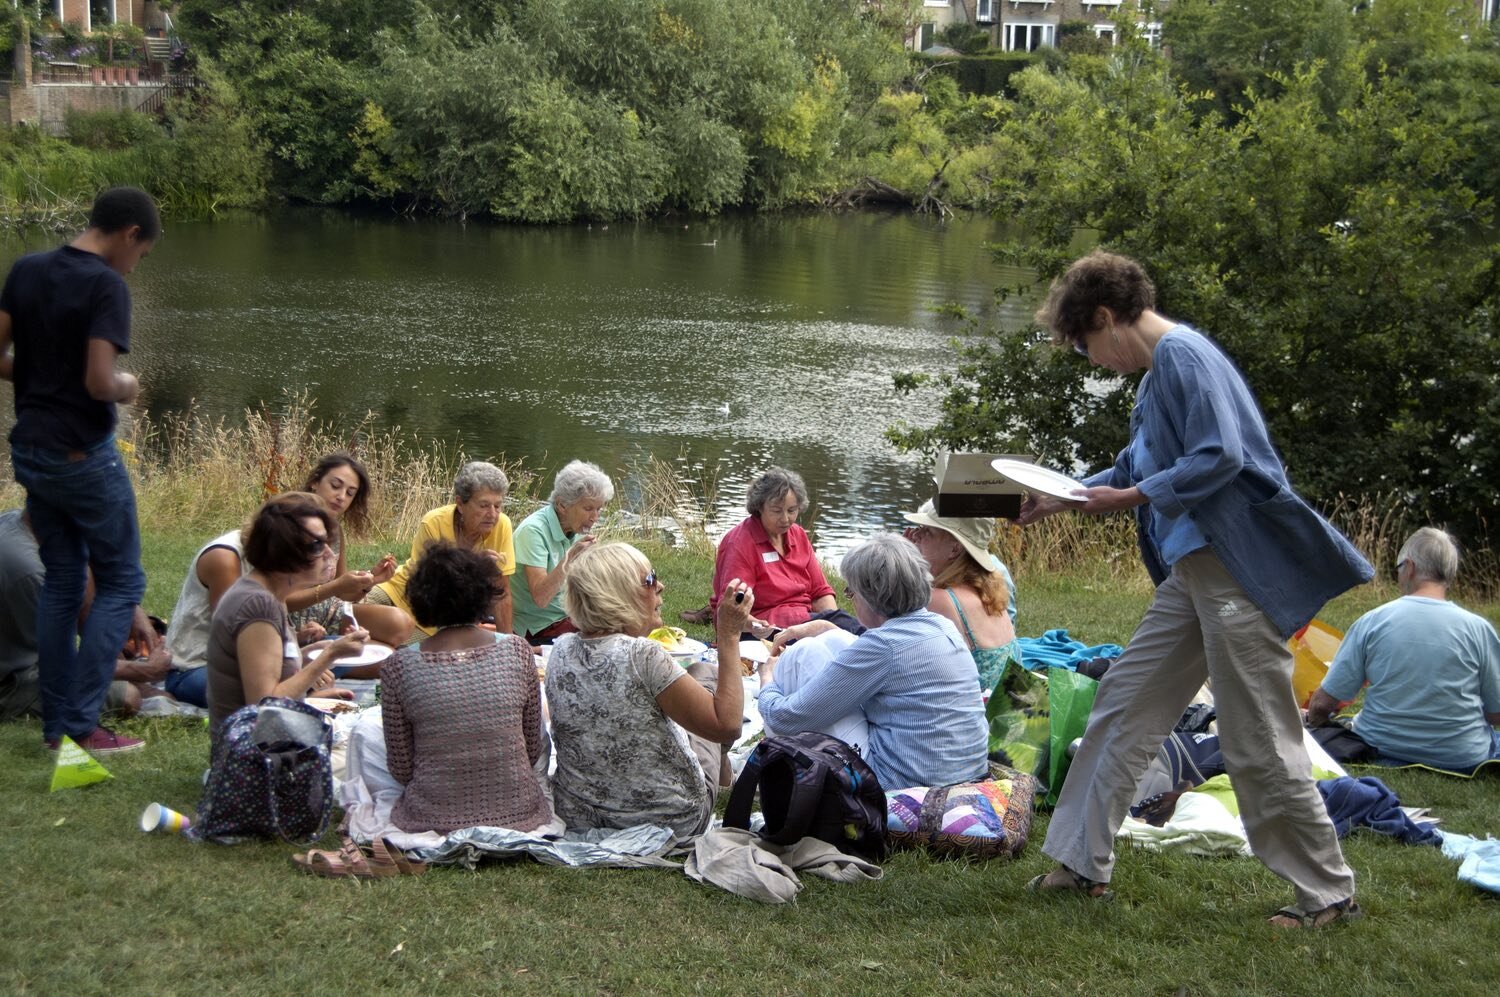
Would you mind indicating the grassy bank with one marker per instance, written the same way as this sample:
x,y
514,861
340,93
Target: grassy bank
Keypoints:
x,y
92,905
95,906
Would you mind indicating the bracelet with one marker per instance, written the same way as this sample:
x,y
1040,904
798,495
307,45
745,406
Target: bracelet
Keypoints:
x,y
318,593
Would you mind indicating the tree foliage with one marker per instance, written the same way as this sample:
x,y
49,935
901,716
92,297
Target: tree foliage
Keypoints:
x,y
1335,243
549,110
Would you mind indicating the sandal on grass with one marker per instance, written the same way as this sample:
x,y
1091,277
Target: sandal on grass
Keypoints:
x,y
1074,883
1344,910
347,862
387,854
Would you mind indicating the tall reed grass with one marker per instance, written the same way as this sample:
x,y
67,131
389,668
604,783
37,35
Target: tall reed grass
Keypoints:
x,y
200,474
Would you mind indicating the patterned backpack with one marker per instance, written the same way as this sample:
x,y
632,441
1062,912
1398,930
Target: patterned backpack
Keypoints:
x,y
271,776
812,786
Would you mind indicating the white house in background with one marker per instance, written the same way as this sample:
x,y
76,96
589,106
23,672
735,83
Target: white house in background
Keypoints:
x,y
1027,25
90,15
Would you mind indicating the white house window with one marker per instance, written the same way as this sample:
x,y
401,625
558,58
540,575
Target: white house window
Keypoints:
x,y
1028,36
1090,5
1151,31
1491,9
1105,30
989,11
937,3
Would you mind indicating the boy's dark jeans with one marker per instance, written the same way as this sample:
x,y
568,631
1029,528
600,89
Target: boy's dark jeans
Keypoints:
x,y
82,511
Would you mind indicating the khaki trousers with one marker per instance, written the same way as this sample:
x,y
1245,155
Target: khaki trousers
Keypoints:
x,y
1202,625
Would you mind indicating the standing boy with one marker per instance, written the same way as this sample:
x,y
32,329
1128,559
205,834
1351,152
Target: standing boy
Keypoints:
x,y
64,319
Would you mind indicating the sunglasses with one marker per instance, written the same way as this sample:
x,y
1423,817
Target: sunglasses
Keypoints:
x,y
649,581
316,546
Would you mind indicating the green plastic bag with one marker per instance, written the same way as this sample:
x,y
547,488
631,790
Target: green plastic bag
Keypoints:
x,y
1071,697
1019,725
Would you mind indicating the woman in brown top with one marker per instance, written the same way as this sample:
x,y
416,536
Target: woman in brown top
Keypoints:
x,y
252,649
462,711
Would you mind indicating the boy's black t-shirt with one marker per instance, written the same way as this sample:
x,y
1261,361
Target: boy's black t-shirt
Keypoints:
x,y
57,302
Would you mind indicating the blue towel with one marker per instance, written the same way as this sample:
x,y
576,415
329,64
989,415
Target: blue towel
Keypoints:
x,y
1054,649
1481,859
1368,802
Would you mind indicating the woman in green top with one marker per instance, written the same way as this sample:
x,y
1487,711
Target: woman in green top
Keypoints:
x,y
970,586
546,543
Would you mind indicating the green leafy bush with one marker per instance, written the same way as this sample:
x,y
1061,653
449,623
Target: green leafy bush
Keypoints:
x,y
988,74
1342,256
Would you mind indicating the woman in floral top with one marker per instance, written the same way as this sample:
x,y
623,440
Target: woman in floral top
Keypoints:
x,y
638,738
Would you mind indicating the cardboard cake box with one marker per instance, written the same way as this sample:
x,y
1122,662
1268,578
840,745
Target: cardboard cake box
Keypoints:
x,y
967,485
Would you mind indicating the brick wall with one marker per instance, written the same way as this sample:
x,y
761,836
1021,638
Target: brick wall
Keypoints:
x,y
47,105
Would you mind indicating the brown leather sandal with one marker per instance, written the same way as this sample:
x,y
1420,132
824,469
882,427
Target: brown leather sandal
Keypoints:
x,y
388,855
697,616
349,862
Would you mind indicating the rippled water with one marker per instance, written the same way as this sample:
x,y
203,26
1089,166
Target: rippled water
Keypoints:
x,y
601,342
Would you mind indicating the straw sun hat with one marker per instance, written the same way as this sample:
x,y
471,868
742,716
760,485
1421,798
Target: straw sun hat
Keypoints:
x,y
974,534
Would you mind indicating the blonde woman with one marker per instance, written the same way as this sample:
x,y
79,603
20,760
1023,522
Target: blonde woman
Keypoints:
x,y
637,737
970,587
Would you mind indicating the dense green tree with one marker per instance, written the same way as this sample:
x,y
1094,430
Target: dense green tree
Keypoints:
x,y
546,110
1229,48
1340,256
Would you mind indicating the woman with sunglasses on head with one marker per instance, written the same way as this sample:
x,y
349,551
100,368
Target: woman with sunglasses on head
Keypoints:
x,y
252,649
341,481
1240,563
639,739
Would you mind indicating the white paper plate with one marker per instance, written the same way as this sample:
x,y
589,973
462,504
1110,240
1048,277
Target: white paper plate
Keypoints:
x,y
755,651
332,705
1042,480
687,648
372,654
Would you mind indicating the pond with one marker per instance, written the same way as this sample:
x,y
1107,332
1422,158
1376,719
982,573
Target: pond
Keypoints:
x,y
721,345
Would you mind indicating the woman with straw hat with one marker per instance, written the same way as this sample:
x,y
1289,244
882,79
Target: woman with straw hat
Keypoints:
x,y
970,587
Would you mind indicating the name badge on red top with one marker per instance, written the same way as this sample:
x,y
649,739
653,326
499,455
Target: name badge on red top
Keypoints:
x,y
770,556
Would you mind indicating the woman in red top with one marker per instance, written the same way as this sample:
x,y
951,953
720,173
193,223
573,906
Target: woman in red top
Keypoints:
x,y
773,555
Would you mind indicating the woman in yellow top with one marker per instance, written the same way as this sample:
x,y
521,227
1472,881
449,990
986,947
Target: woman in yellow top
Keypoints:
x,y
473,521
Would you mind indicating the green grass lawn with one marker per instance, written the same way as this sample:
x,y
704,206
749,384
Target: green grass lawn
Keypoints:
x,y
91,905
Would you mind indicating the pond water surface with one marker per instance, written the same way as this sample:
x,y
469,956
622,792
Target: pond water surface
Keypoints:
x,y
720,346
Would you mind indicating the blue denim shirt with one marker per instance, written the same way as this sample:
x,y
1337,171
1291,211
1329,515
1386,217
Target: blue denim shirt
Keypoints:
x,y
1211,461
915,680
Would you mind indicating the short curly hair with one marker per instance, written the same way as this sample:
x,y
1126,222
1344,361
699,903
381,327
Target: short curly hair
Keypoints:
x,y
1098,280
479,476
770,485
453,587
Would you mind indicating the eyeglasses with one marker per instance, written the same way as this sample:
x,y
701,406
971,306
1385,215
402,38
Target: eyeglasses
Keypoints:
x,y
1404,560
649,581
1081,348
317,545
